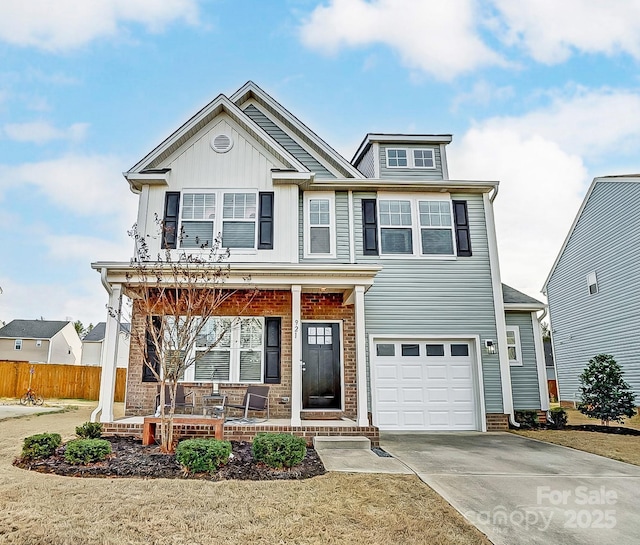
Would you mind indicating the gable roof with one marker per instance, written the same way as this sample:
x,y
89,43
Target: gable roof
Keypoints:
x,y
252,91
149,168
631,178
516,299
31,329
98,331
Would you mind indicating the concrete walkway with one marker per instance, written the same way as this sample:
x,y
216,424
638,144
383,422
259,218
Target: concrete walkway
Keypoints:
x,y
521,491
354,455
11,411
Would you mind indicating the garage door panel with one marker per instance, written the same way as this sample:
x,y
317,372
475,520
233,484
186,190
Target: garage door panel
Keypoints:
x,y
425,392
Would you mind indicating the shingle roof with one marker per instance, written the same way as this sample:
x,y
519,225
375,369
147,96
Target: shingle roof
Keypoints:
x,y
98,331
512,295
31,329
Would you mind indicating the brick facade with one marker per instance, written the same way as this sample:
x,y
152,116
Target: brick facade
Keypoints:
x,y
140,398
497,422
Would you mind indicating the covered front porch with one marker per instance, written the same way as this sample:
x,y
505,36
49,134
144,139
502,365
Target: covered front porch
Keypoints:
x,y
321,312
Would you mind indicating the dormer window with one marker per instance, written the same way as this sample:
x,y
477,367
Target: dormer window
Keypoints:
x,y
397,158
411,158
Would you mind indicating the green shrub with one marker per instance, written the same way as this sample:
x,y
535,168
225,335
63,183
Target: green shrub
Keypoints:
x,y
86,451
527,419
42,445
199,455
559,417
279,449
89,430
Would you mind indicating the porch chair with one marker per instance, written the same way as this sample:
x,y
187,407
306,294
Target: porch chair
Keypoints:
x,y
183,400
255,399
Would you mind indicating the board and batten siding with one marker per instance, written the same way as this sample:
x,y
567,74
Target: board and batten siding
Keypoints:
x,y
287,142
605,240
410,173
246,166
524,378
342,230
422,296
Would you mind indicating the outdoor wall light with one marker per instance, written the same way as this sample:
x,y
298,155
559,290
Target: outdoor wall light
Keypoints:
x,y
490,346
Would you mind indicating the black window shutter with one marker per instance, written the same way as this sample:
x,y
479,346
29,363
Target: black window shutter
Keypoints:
x,y
272,341
369,227
463,237
265,225
170,220
152,353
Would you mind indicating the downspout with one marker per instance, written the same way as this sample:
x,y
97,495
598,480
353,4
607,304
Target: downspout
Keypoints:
x,y
540,318
494,194
107,286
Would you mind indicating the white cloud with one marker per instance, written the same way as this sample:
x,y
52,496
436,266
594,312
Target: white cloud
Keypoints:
x,y
594,122
40,132
541,188
551,30
483,93
436,38
85,185
69,24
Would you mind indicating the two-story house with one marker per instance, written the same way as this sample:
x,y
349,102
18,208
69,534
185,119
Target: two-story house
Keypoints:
x,y
40,341
380,302
593,287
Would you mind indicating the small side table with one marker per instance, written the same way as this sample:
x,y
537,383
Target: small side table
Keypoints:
x,y
213,405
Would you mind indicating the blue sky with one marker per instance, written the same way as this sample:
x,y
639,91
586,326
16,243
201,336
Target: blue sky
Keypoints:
x,y
539,94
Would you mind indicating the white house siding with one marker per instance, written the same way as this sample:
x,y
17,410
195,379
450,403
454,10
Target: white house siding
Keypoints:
x,y
437,297
606,239
246,166
411,173
29,352
524,379
66,346
91,353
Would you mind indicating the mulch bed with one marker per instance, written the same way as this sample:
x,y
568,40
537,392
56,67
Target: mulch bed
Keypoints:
x,y
130,459
590,427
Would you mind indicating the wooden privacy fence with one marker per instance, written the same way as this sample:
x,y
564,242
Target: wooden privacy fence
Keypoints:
x,y
52,380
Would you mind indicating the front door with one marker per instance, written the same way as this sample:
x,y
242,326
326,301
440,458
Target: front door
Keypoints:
x,y
321,366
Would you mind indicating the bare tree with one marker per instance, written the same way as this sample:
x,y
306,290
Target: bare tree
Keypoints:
x,y
177,295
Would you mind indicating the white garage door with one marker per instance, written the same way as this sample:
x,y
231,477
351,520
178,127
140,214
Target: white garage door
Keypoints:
x,y
424,385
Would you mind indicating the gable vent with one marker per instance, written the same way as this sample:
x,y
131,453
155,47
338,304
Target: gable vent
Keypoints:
x,y
221,143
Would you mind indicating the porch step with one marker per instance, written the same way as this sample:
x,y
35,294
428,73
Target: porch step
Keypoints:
x,y
342,442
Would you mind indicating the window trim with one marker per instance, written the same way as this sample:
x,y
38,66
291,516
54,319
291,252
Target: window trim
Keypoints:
x,y
416,229
218,221
411,160
518,345
17,345
235,351
308,197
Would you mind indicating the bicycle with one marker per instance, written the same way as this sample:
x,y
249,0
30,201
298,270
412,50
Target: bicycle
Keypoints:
x,y
31,398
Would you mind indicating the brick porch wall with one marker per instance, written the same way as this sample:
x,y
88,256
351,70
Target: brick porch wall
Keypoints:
x,y
140,398
247,433
497,422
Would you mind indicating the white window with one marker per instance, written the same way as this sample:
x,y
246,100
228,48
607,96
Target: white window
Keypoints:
x,y
423,158
18,344
416,225
319,224
411,158
397,158
514,349
238,355
592,283
205,215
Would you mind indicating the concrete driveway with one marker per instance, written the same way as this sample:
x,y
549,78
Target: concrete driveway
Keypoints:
x,y
521,491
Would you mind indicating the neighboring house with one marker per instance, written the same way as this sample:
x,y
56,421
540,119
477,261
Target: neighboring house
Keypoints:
x,y
380,293
93,345
593,288
40,341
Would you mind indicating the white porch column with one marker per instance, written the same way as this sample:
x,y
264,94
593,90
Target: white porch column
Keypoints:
x,y
296,357
110,361
361,357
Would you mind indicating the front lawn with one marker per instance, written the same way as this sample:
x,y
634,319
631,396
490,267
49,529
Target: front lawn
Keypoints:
x,y
332,508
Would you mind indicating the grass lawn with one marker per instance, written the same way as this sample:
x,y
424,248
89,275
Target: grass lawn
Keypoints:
x,y
335,508
625,448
